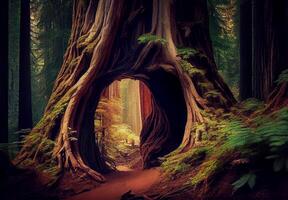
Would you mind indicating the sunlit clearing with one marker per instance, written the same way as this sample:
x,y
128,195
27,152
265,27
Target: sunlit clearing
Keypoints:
x,y
118,124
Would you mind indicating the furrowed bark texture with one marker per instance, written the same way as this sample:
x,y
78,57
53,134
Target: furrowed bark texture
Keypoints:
x,y
269,44
103,48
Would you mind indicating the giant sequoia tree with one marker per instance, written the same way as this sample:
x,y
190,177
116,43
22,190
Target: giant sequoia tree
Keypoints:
x,y
103,47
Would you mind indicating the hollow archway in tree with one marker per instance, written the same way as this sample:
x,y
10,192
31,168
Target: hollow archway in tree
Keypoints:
x,y
163,123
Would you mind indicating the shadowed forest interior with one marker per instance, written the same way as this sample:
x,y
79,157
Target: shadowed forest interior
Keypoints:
x,y
143,99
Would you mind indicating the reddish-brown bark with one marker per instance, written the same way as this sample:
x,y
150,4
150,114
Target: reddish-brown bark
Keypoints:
x,y
145,101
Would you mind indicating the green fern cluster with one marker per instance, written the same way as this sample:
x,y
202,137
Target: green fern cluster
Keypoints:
x,y
268,140
270,132
146,38
252,104
186,52
263,140
190,69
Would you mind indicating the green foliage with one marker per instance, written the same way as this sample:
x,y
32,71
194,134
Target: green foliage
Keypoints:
x,y
50,31
238,136
115,139
247,179
224,19
174,164
207,169
190,69
270,133
186,52
264,139
274,135
146,38
267,140
215,96
39,150
252,104
52,116
283,77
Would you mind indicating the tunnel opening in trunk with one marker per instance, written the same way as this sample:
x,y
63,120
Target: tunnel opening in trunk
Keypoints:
x,y
123,107
139,120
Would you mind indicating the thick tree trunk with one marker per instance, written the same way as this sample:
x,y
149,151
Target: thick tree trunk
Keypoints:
x,y
25,104
269,43
103,48
245,49
192,30
13,87
279,97
4,72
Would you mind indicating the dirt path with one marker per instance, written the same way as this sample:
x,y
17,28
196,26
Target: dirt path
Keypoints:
x,y
121,182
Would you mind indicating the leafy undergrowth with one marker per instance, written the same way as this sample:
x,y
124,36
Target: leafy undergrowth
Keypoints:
x,y
234,153
116,140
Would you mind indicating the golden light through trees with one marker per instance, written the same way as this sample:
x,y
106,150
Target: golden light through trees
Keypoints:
x,y
124,105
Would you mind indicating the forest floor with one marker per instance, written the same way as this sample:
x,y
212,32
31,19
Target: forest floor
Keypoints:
x,y
121,182
240,154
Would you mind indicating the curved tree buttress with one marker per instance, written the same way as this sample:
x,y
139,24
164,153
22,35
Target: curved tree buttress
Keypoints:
x,y
103,47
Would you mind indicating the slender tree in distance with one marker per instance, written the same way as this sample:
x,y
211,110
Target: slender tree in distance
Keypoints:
x,y
245,49
25,105
4,72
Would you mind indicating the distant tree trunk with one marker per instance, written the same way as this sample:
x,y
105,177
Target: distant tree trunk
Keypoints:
x,y
132,106
14,35
279,97
103,48
25,105
145,101
114,90
245,49
4,72
269,45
